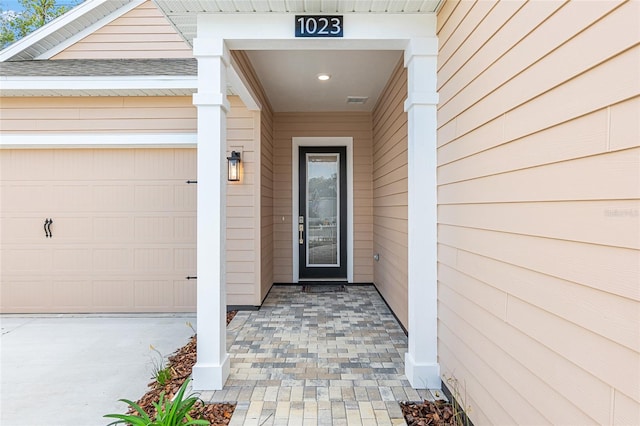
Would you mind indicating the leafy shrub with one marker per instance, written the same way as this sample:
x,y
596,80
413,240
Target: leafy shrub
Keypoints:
x,y
170,412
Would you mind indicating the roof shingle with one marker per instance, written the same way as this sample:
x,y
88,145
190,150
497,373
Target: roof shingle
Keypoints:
x,y
99,67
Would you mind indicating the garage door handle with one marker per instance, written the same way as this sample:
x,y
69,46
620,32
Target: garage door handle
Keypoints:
x,y
192,278
47,228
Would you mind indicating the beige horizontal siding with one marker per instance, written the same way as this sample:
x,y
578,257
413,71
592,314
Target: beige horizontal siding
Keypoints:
x,y
97,115
243,233
265,117
143,32
538,191
390,194
290,125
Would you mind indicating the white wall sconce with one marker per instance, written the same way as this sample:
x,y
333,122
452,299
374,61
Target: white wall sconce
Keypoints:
x,y
233,163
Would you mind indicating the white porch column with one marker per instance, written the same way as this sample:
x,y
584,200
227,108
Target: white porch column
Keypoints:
x,y
421,362
212,366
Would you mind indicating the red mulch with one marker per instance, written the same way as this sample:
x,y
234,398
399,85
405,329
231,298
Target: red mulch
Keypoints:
x,y
427,413
181,363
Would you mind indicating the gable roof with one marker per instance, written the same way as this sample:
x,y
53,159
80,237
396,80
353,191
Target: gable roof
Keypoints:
x,y
67,29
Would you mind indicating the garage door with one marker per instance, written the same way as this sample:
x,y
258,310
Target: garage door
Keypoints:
x,y
123,233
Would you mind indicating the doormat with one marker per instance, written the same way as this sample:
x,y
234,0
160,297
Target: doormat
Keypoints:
x,y
323,288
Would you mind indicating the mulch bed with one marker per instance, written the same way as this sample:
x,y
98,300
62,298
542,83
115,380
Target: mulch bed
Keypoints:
x,y
427,413
181,364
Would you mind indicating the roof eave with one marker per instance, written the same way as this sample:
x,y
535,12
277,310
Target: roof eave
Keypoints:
x,y
99,86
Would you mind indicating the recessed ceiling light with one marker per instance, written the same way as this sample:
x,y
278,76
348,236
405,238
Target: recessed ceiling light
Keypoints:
x,y
324,77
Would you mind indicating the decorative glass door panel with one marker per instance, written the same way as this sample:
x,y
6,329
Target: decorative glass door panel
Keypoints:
x,y
322,217
323,205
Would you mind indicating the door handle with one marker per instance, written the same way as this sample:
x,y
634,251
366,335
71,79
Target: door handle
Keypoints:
x,y
47,228
300,230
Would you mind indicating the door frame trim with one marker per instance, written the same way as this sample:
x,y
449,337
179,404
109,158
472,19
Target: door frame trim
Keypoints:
x,y
296,143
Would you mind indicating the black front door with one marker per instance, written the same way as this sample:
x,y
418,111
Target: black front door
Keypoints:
x,y
322,216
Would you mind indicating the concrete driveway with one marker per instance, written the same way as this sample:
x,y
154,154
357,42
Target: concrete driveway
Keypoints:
x,y
72,369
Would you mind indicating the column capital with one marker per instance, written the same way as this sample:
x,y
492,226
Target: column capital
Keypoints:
x,y
211,47
422,46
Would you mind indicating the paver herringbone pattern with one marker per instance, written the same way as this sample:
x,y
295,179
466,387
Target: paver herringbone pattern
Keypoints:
x,y
331,358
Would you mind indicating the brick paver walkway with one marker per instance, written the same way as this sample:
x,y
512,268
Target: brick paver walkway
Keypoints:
x,y
332,358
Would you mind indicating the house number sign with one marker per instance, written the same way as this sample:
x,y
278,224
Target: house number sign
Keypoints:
x,y
319,26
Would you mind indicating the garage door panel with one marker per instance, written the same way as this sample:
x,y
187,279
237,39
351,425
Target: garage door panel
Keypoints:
x,y
184,294
73,164
154,164
72,259
112,260
185,197
66,197
26,165
34,261
116,197
22,229
23,295
152,198
154,294
153,229
185,164
113,295
26,198
71,295
152,259
113,228
185,260
70,229
113,164
185,228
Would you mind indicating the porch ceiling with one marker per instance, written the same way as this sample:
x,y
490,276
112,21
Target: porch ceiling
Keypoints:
x,y
289,76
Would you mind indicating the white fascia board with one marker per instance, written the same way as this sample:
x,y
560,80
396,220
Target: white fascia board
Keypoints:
x,y
98,140
90,30
98,83
361,31
50,28
242,88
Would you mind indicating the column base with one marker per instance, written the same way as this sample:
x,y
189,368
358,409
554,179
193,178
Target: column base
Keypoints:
x,y
422,376
209,376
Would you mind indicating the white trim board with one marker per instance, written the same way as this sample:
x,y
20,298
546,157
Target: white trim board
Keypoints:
x,y
98,140
99,83
296,143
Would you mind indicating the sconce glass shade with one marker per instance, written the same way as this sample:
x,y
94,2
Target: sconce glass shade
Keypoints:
x,y
234,166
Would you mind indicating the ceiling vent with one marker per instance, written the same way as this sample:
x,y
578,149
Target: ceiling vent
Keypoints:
x,y
357,100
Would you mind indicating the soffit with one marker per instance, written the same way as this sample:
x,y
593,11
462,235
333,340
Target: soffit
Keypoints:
x,y
182,13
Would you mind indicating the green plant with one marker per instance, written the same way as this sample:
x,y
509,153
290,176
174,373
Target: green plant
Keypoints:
x,y
169,412
191,327
160,372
